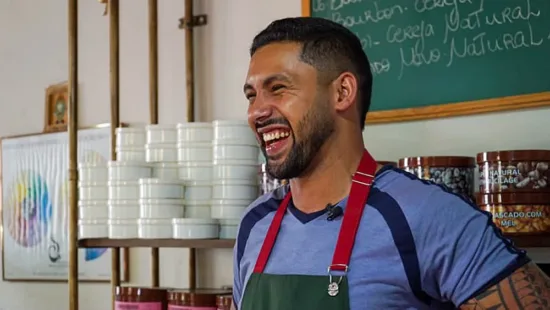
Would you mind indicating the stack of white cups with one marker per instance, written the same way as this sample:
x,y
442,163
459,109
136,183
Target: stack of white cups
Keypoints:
x,y
235,173
195,168
92,204
123,182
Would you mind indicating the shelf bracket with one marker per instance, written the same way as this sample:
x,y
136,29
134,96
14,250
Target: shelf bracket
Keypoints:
x,y
196,21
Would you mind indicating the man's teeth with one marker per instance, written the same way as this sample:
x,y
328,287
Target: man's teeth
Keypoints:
x,y
275,135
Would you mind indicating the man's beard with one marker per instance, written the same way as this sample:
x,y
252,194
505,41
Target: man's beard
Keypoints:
x,y
314,129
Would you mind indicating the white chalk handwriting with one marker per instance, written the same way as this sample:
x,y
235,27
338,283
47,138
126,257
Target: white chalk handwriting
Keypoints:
x,y
438,32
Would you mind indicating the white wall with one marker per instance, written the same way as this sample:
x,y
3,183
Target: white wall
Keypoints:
x,y
33,54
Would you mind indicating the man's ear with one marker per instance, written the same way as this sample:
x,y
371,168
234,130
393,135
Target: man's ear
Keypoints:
x,y
345,91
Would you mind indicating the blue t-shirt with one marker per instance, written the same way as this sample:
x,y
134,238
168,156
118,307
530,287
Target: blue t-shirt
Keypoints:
x,y
417,244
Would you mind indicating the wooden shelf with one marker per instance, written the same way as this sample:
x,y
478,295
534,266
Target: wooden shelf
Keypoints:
x,y
156,243
531,241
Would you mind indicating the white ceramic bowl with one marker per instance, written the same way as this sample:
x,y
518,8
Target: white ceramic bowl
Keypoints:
x,y
195,152
235,189
167,171
123,190
166,152
161,208
93,191
190,228
93,228
128,171
234,131
197,209
222,150
130,153
195,132
195,171
92,172
161,134
123,228
130,136
228,208
155,228
198,190
123,209
229,229
235,169
92,209
161,189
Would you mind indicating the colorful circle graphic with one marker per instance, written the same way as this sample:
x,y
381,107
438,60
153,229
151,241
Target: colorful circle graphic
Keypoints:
x,y
92,254
28,209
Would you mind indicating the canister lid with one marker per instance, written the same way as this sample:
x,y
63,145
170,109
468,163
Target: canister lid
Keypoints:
x,y
514,155
224,301
143,293
513,198
437,161
196,297
387,163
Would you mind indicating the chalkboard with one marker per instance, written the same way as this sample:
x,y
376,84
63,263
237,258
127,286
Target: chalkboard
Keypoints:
x,y
437,58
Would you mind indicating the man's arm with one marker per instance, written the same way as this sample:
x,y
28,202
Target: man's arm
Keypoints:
x,y
527,288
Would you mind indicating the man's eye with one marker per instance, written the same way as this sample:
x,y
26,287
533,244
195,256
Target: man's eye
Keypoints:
x,y
275,88
250,96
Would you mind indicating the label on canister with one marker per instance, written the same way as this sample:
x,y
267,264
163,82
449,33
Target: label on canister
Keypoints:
x,y
121,305
520,219
171,307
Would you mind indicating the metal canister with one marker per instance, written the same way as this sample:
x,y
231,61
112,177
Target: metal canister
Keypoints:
x,y
267,182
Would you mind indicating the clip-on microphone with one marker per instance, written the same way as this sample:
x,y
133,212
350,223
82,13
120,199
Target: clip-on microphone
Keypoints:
x,y
333,211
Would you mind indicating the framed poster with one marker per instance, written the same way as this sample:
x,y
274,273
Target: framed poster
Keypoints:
x,y
35,207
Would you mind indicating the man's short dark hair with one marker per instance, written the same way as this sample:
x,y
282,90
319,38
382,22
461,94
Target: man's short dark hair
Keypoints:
x,y
327,46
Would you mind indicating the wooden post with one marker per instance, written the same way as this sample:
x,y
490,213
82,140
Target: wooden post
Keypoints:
x,y
153,108
72,129
114,76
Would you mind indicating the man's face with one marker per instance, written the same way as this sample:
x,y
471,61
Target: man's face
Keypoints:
x,y
289,111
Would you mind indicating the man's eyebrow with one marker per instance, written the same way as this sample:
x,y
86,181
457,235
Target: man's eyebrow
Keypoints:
x,y
269,80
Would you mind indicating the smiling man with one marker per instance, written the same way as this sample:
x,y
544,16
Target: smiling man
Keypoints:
x,y
348,233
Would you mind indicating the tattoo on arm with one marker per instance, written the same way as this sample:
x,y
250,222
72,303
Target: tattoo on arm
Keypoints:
x,y
527,288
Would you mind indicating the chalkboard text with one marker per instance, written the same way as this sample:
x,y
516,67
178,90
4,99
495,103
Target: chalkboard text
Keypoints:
x,y
400,36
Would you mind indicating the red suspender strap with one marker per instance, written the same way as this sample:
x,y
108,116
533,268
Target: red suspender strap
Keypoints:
x,y
360,189
271,236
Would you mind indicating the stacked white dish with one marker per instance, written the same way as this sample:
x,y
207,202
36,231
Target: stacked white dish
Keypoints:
x,y
234,173
124,197
92,204
195,168
160,144
123,176
160,201
130,144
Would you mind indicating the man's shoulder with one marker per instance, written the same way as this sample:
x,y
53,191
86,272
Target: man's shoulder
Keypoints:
x,y
421,200
265,204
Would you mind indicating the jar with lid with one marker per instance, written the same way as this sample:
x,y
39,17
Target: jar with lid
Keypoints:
x,y
518,213
194,299
267,182
514,171
454,172
140,298
224,302
387,163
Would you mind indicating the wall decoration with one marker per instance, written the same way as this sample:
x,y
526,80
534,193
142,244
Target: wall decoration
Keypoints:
x,y
35,207
57,102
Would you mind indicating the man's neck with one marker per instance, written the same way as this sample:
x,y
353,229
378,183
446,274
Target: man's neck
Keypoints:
x,y
329,179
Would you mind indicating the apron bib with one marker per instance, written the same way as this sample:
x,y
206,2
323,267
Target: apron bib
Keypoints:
x,y
303,292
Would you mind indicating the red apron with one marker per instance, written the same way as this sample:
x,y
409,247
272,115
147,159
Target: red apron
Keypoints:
x,y
279,292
